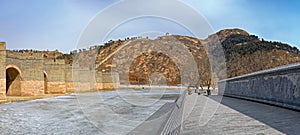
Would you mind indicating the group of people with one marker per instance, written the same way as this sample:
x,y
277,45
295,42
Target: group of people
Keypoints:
x,y
197,90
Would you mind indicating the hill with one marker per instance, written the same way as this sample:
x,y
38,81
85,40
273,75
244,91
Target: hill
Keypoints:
x,y
243,53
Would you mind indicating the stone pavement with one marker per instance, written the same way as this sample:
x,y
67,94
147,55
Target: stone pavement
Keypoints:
x,y
207,115
101,113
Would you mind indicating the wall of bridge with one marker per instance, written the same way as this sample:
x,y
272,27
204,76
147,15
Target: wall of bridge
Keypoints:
x,y
279,86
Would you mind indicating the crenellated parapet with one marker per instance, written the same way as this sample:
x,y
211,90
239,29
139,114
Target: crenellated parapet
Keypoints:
x,y
23,55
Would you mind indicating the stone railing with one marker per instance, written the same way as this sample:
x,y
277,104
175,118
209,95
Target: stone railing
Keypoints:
x,y
278,86
166,121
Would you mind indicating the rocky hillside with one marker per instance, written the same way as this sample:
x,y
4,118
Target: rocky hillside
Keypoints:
x,y
247,53
244,53
162,56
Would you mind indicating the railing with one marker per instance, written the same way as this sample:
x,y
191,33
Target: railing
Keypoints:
x,y
173,125
166,121
278,86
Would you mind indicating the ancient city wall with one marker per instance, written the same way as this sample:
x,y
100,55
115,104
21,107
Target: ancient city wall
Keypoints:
x,y
30,80
107,81
54,72
29,73
2,70
69,79
85,80
278,86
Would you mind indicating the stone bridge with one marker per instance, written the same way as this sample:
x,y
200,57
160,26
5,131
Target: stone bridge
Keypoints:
x,y
30,74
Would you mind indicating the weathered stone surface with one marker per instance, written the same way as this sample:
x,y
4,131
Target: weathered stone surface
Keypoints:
x,y
32,88
235,116
57,87
279,86
2,70
109,86
15,88
70,87
3,89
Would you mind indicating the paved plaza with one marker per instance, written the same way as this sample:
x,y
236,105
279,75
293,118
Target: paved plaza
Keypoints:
x,y
202,115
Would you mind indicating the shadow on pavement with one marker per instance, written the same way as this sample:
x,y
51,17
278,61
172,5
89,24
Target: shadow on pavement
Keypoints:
x,y
283,120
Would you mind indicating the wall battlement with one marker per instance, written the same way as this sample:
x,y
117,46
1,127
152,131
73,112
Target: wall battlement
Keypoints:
x,y
24,55
54,61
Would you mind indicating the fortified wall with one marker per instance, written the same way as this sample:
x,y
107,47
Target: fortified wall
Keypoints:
x,y
30,74
279,86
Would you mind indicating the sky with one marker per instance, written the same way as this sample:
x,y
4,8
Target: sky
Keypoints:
x,y
59,24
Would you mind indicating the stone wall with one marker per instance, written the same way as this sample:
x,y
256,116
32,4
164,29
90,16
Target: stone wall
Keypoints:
x,y
279,86
2,70
31,74
54,70
85,80
30,67
69,79
107,81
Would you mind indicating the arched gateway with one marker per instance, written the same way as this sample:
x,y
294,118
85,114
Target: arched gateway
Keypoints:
x,y
13,81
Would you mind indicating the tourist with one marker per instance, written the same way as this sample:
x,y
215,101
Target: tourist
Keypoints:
x,y
208,92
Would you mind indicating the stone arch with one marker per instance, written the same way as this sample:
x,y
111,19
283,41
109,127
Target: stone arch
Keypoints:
x,y
46,83
13,80
15,67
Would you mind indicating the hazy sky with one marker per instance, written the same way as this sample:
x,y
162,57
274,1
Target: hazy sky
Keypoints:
x,y
57,24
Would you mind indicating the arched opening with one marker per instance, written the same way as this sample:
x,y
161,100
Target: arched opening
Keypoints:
x,y
13,82
46,83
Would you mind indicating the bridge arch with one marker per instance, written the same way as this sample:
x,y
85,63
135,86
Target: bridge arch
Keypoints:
x,y
13,80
